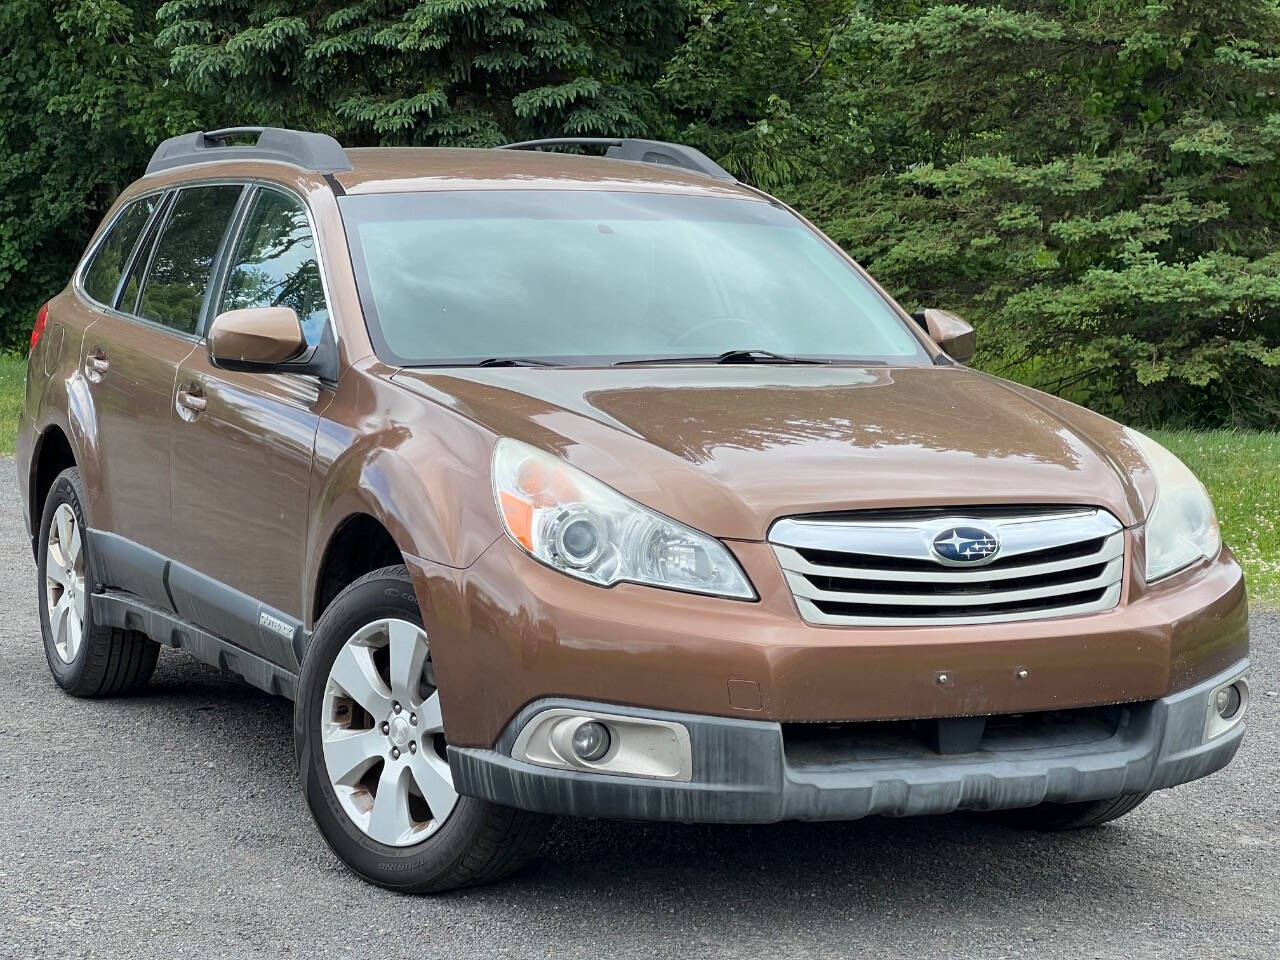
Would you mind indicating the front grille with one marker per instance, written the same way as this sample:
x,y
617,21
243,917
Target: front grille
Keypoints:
x,y
881,569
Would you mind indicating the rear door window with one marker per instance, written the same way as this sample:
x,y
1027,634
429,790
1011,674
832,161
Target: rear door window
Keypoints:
x,y
184,255
275,264
128,302
112,256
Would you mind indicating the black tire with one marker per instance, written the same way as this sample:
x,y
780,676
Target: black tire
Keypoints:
x,y
479,842
1056,817
110,661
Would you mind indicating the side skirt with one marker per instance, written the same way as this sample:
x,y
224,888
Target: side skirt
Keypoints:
x,y
178,606
120,609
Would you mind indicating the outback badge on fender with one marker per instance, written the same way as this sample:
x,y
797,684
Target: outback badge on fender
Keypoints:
x,y
965,545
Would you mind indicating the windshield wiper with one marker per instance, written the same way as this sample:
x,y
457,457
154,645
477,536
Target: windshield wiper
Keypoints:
x,y
729,356
515,362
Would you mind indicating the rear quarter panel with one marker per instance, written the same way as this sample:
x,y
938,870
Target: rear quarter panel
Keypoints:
x,y
57,397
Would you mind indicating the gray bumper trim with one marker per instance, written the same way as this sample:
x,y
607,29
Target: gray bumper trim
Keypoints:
x,y
741,773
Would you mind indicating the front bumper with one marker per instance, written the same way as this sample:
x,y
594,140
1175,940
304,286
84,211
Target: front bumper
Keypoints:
x,y
742,773
521,632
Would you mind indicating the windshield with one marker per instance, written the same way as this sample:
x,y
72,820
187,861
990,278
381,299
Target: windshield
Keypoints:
x,y
601,277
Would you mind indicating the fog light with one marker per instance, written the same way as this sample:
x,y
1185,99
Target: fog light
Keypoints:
x,y
590,741
610,744
1227,701
1226,708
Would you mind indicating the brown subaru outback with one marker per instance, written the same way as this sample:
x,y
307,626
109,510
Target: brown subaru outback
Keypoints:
x,y
600,486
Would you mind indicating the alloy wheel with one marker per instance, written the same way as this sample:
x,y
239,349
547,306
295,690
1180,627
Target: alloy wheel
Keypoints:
x,y
382,735
65,582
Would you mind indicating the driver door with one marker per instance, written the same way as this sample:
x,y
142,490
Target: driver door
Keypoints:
x,y
243,445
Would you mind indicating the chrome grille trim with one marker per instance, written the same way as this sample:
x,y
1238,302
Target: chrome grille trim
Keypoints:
x,y
882,572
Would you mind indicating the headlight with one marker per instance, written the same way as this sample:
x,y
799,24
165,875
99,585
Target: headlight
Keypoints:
x,y
1182,527
580,526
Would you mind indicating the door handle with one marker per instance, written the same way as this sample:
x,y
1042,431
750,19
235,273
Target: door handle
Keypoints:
x,y
95,365
191,401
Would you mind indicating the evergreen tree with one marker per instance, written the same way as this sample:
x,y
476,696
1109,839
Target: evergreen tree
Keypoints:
x,y
84,98
757,84
1097,184
1094,183
457,72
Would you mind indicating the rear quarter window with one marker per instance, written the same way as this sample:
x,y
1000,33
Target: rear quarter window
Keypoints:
x,y
102,276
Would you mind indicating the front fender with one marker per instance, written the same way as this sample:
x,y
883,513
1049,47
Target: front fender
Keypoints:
x,y
429,487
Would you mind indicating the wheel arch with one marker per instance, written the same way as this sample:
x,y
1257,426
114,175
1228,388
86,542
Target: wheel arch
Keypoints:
x,y
51,455
358,544
423,500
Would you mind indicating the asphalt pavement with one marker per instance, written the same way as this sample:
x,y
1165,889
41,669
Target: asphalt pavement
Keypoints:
x,y
170,824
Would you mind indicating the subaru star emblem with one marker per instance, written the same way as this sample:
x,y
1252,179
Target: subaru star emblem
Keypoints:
x,y
959,545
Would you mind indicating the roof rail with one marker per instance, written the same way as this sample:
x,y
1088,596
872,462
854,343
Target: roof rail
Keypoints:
x,y
318,152
643,151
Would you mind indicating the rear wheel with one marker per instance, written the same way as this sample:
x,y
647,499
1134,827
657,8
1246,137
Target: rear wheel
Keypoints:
x,y
371,752
1054,817
85,659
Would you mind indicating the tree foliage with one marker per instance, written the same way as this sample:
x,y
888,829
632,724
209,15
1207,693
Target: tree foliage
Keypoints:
x,y
455,72
1094,183
84,96
754,85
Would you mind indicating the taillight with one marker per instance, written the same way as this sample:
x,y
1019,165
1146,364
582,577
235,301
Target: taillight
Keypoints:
x,y
41,319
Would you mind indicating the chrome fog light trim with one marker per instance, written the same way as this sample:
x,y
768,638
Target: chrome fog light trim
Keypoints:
x,y
1215,725
637,746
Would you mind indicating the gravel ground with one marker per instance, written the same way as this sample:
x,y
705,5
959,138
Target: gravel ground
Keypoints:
x,y
170,825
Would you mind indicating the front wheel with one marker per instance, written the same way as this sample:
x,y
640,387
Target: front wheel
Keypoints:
x,y
371,752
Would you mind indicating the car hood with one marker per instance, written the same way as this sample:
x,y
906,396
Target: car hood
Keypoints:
x,y
729,449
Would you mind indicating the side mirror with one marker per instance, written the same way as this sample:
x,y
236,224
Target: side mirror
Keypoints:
x,y
948,331
258,338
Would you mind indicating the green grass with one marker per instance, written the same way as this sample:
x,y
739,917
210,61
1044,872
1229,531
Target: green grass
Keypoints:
x,y
1241,470
13,374
1242,473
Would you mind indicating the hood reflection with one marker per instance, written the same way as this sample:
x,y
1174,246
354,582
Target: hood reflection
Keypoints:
x,y
975,416
730,449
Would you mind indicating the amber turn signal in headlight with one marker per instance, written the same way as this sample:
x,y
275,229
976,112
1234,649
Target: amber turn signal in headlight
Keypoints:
x,y
578,525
